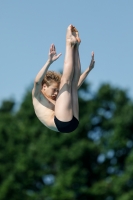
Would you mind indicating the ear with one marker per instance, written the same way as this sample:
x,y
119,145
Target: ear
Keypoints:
x,y
44,86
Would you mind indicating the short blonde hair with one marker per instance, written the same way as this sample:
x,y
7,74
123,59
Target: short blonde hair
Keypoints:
x,y
51,77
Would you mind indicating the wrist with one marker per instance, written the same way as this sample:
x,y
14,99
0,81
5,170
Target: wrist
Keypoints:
x,y
89,69
49,62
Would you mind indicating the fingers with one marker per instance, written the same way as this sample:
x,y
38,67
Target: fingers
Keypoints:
x,y
92,54
92,63
59,55
52,48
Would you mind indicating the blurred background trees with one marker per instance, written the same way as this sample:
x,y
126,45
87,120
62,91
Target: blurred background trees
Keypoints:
x,y
94,162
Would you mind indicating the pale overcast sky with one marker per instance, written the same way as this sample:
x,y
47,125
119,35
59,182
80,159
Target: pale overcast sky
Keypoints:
x,y
28,27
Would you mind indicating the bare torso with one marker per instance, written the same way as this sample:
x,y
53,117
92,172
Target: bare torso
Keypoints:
x,y
44,109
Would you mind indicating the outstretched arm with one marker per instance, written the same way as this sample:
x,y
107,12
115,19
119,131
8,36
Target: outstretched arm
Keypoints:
x,y
87,71
38,80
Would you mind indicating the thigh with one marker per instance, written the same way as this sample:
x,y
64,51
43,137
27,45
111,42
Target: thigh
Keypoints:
x,y
63,106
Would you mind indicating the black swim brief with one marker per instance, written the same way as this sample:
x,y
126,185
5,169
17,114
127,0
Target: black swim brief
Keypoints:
x,y
66,127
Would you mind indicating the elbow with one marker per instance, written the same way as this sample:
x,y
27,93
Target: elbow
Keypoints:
x,y
37,82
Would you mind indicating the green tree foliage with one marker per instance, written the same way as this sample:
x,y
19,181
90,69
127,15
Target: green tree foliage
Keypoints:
x,y
93,162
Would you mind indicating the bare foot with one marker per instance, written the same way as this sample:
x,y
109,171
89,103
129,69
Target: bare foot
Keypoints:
x,y
76,34
71,36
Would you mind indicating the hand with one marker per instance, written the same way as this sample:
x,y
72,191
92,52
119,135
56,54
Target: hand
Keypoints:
x,y
92,63
52,54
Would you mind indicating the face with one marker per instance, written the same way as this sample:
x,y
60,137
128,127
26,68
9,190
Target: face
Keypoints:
x,y
51,91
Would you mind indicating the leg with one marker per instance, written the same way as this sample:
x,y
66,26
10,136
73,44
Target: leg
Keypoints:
x,y
77,72
63,106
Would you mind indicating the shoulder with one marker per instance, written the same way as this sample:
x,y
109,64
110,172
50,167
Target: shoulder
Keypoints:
x,y
37,97
36,89
35,94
